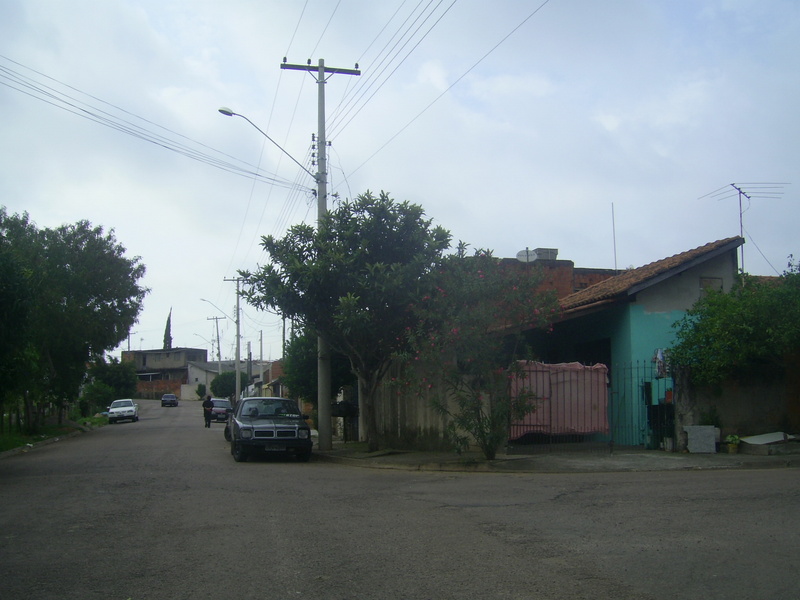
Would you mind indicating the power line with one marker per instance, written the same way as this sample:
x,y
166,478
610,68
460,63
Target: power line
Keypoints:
x,y
70,103
351,105
451,86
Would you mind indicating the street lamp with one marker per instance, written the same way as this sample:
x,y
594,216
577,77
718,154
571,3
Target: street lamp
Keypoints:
x,y
323,348
229,113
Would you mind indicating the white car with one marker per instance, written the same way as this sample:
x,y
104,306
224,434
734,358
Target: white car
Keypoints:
x,y
123,409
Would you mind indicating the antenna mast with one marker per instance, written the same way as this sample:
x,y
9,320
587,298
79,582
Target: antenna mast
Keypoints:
x,y
750,191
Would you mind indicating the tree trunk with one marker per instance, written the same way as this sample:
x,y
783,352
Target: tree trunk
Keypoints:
x,y
367,388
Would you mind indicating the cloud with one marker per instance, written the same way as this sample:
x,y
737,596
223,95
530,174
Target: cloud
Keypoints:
x,y
646,106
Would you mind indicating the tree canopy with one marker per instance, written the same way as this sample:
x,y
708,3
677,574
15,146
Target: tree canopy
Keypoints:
x,y
300,367
224,384
81,296
352,281
753,327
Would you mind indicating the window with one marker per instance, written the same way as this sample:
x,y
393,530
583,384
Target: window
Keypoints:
x,y
710,283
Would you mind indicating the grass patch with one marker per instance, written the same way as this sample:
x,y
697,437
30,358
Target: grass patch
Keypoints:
x,y
14,439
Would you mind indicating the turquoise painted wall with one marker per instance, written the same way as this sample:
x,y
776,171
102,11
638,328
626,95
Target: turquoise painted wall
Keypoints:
x,y
636,330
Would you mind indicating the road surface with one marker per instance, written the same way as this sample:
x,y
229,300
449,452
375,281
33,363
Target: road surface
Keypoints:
x,y
159,510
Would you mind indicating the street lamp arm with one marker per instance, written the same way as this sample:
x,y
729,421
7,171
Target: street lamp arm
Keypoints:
x,y
229,113
227,316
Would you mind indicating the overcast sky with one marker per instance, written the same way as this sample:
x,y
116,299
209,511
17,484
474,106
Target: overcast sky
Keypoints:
x,y
514,124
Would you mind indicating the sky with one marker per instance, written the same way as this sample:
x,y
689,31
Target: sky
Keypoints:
x,y
609,130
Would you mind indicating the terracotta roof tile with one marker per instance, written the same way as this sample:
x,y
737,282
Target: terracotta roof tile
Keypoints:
x,y
619,285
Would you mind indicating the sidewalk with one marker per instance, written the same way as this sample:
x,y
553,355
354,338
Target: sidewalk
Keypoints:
x,y
562,462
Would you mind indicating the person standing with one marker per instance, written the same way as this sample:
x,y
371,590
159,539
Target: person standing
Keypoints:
x,y
207,406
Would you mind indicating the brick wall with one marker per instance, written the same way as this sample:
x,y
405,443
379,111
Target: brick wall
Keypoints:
x,y
153,390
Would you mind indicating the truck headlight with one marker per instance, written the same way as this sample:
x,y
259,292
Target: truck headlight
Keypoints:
x,y
303,434
246,433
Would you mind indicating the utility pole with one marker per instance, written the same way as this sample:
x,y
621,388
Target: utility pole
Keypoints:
x,y
219,351
323,348
238,342
261,359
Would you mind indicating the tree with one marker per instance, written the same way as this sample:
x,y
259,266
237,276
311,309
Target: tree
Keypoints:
x,y
352,281
224,384
16,297
97,396
168,332
468,340
82,287
300,368
751,329
119,376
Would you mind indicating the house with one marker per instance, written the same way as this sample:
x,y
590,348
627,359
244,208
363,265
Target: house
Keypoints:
x,y
626,323
623,320
560,275
162,371
264,376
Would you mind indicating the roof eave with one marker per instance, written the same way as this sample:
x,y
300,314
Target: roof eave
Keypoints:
x,y
684,266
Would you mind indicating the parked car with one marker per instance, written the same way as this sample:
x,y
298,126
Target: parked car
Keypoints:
x,y
169,400
220,411
121,410
260,425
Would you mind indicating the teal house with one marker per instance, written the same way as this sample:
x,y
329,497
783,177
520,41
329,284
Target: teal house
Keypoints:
x,y
626,322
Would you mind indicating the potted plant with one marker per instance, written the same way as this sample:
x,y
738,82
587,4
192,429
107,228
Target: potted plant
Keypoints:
x,y
732,443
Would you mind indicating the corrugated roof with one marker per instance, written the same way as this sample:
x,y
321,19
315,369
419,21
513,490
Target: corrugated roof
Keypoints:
x,y
633,280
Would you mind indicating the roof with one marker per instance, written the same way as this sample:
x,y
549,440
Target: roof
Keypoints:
x,y
632,281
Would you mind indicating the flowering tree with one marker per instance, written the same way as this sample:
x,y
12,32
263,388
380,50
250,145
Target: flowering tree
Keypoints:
x,y
468,337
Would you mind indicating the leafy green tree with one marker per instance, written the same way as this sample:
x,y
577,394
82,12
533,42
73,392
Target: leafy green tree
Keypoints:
x,y
751,329
351,281
468,340
97,396
300,368
15,301
85,297
224,384
201,390
119,376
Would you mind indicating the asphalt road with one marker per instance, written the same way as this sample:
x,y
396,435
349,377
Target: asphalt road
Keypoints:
x,y
159,510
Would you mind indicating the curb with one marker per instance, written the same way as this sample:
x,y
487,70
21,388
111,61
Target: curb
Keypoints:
x,y
514,465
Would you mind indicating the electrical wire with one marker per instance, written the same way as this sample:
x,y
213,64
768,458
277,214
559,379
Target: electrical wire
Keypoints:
x,y
752,241
190,148
352,104
451,86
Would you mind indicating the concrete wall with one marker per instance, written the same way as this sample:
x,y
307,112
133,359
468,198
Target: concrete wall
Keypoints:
x,y
750,408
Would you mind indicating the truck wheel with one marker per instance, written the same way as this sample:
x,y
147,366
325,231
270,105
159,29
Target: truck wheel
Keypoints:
x,y
238,451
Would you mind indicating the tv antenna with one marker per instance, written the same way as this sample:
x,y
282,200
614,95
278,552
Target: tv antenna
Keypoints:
x,y
748,191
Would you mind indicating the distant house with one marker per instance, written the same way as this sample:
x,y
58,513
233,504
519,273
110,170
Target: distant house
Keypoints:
x,y
264,377
626,322
163,371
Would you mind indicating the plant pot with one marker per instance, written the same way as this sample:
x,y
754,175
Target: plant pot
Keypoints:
x,y
732,448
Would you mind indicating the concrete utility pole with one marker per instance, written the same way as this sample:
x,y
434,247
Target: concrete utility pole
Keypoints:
x,y
238,342
219,350
323,349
